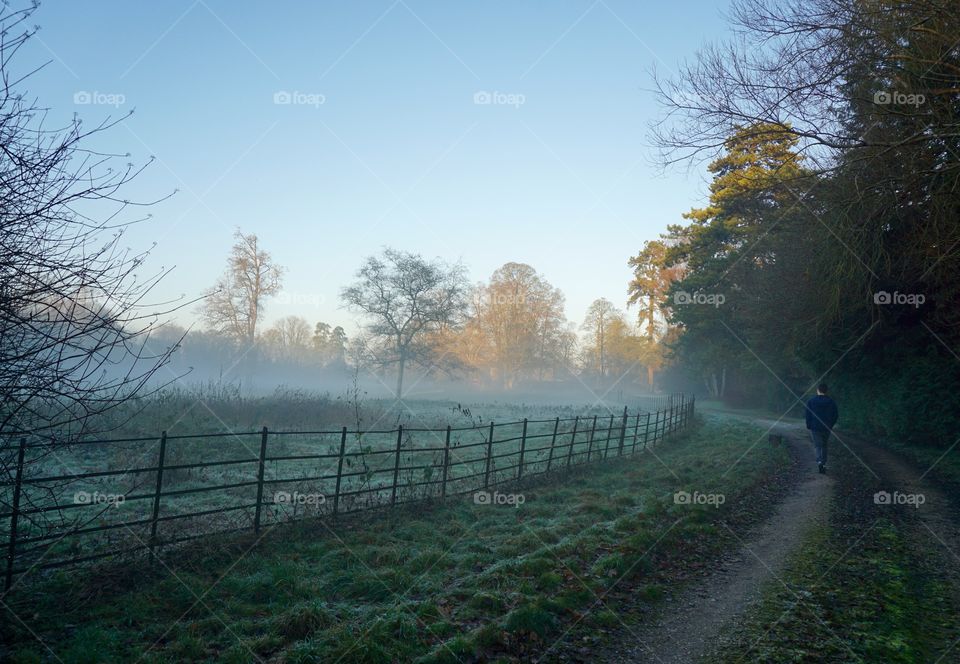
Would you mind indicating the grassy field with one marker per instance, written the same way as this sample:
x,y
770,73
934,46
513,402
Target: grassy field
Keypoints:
x,y
456,581
304,464
223,408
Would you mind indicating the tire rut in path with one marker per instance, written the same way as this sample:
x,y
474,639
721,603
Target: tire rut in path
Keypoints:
x,y
688,626
935,523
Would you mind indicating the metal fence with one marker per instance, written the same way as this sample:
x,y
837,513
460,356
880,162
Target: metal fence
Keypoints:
x,y
118,507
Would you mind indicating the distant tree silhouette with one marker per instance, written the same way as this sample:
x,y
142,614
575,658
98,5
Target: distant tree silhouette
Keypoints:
x,y
234,306
405,297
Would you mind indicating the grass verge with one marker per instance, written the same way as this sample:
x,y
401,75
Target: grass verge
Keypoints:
x,y
941,464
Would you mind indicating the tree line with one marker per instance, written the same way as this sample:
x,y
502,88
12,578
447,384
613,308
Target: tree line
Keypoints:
x,y
828,248
424,315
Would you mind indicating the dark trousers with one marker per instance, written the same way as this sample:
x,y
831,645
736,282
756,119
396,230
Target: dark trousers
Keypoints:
x,y
820,439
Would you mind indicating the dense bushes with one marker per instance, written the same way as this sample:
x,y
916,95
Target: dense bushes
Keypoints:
x,y
903,395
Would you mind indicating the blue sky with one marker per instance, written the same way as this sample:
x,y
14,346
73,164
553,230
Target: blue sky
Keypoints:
x,y
384,141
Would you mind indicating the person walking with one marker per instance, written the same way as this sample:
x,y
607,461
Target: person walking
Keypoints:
x,y
821,414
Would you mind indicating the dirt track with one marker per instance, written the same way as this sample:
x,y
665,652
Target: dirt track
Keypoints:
x,y
691,621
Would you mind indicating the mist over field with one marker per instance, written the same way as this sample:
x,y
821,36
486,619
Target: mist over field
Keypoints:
x,y
435,332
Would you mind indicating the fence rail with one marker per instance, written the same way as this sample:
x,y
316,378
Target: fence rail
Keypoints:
x,y
285,476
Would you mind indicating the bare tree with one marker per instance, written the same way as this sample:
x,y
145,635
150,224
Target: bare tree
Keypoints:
x,y
517,325
233,307
73,312
293,332
599,318
289,337
406,297
828,72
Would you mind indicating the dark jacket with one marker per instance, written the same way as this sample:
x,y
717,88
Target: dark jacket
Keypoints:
x,y
821,413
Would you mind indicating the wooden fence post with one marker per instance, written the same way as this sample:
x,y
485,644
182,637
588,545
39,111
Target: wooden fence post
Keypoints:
x,y
636,430
573,439
593,430
553,443
486,473
15,516
260,467
523,448
336,490
396,467
155,519
623,431
446,464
